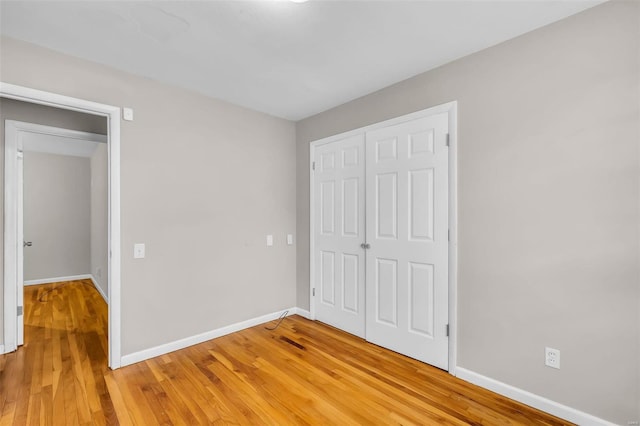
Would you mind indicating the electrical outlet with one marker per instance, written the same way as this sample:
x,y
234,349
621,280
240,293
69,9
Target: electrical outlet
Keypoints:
x,y
552,358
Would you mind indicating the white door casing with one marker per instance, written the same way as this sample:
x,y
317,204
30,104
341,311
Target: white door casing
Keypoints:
x,y
112,115
407,231
339,231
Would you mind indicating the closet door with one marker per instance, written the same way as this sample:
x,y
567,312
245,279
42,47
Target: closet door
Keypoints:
x,y
339,231
407,231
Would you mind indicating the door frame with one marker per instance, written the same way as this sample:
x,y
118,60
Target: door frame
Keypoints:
x,y
112,114
13,184
452,109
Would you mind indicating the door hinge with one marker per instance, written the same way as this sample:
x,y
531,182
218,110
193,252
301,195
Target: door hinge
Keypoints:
x,y
447,140
313,165
447,330
313,291
19,310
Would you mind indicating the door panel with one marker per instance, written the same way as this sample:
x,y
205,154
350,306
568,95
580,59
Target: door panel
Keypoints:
x,y
20,239
421,205
327,207
339,230
420,290
350,210
351,280
386,293
327,278
407,217
386,195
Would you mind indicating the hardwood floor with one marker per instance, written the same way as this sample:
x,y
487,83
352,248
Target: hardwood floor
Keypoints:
x,y
302,373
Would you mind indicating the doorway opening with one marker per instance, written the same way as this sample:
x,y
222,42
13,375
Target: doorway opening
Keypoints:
x,y
62,201
13,241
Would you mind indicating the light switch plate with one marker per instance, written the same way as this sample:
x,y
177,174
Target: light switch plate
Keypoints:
x,y
269,240
127,114
138,251
290,239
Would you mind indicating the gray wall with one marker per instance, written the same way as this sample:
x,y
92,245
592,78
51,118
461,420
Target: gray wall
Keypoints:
x,y
38,114
100,217
56,215
548,186
202,183
548,204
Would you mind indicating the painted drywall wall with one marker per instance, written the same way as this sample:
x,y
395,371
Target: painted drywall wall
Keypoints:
x,y
11,109
100,217
39,114
56,215
202,183
548,204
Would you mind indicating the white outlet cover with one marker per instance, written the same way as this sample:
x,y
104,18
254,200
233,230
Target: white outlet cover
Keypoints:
x,y
269,240
290,239
552,357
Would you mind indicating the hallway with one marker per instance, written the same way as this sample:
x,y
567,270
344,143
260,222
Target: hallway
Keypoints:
x,y
57,377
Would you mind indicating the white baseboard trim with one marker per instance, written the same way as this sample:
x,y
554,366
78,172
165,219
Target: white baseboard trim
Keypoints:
x,y
302,312
57,279
199,338
95,284
533,400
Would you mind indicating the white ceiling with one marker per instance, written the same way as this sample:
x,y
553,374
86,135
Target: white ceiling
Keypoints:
x,y
287,59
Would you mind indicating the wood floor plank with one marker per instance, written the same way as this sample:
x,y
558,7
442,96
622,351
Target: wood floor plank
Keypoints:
x,y
318,382
303,372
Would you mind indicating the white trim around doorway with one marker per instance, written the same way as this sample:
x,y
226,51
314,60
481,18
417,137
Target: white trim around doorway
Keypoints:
x,y
112,114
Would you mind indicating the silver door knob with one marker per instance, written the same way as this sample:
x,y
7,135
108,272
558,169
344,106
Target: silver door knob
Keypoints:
x,y
27,243
365,246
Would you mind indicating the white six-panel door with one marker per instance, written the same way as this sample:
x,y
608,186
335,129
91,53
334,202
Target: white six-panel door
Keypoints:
x,y
394,292
407,227
339,230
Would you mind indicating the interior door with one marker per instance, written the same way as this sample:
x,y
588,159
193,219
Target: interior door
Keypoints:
x,y
407,231
20,244
339,231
